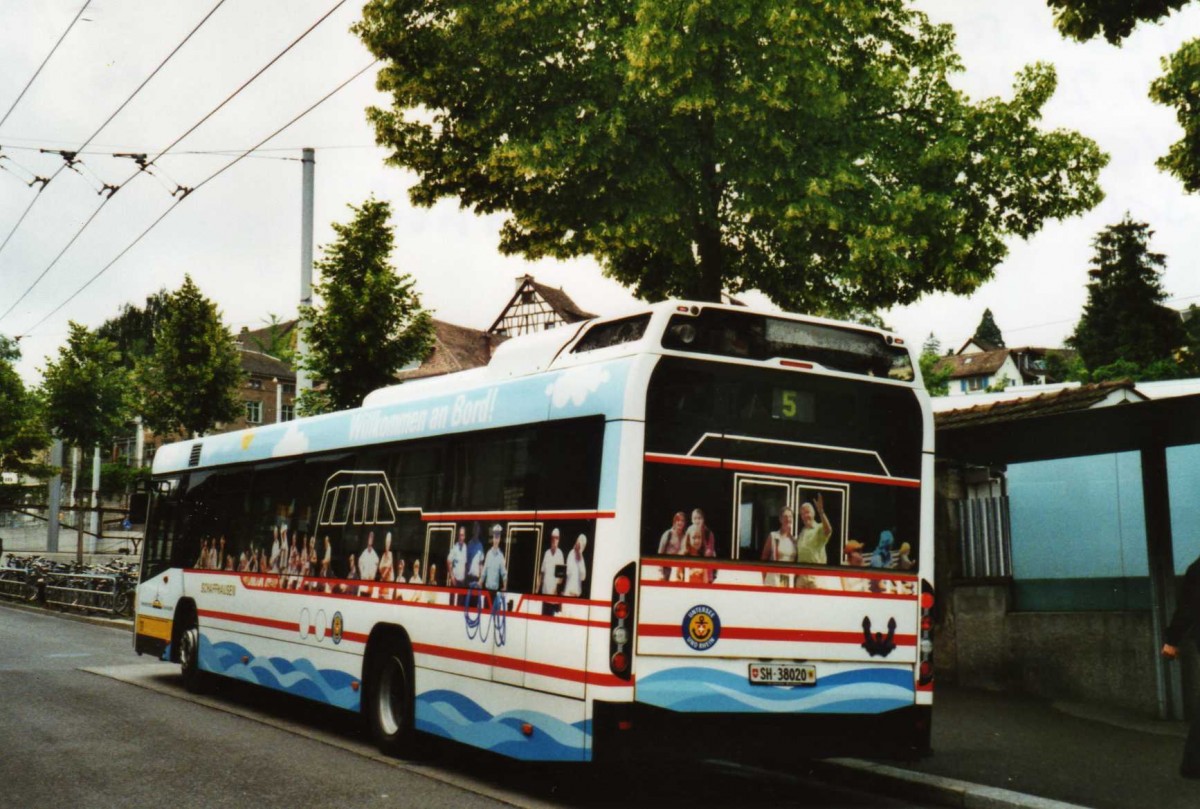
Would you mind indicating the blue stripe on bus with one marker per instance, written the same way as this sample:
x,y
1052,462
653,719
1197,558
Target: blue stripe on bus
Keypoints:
x,y
867,690
297,677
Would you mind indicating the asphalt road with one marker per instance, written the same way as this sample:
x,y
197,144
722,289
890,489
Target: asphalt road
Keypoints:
x,y
84,723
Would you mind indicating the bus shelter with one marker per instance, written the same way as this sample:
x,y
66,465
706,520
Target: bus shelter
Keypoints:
x,y
1065,517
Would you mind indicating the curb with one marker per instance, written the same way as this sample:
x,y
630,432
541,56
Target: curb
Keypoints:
x,y
932,788
111,623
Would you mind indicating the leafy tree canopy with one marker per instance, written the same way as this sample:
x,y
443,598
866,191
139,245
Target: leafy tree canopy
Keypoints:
x,y
1179,87
370,323
190,382
132,331
1124,319
1113,19
814,151
988,332
22,426
87,389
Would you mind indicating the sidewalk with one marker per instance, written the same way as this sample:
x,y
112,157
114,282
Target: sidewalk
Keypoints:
x,y
1037,750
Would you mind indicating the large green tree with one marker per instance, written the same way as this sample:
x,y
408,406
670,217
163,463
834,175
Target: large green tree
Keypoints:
x,y
814,151
22,426
190,382
370,323
1124,320
87,390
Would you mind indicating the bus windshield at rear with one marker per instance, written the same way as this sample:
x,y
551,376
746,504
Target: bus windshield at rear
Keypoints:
x,y
782,466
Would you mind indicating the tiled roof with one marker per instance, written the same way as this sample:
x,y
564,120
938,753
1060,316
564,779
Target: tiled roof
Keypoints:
x,y
455,348
981,362
1065,400
561,302
260,364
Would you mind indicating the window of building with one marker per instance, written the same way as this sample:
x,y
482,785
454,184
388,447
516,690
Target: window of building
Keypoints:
x,y
254,412
254,384
289,389
287,412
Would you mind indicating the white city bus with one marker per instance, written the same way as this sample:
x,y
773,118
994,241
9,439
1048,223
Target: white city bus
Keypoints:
x,y
701,529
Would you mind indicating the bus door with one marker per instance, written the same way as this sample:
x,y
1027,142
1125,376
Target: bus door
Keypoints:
x,y
509,624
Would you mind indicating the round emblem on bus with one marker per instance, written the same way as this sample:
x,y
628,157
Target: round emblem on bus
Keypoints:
x,y
701,627
335,627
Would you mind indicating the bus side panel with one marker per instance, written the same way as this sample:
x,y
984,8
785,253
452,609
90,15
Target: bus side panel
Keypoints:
x,y
522,724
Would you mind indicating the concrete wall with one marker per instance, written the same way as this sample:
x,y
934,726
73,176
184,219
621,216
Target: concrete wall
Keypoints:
x,y
1099,657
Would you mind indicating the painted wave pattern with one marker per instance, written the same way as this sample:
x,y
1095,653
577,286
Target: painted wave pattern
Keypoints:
x,y
298,677
859,691
454,716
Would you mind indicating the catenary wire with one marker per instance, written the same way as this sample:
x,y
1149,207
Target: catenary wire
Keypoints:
x,y
125,103
198,186
33,78
146,165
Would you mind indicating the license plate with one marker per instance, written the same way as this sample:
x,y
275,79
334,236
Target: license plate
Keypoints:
x,y
783,674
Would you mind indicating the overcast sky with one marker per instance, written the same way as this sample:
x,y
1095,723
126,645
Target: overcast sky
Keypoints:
x,y
239,235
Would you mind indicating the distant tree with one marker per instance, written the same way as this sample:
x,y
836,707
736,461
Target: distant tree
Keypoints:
x,y
1124,319
988,332
191,381
936,373
87,390
1113,19
132,330
817,152
22,425
370,323
932,345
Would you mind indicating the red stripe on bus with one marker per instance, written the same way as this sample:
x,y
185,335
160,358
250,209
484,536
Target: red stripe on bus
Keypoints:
x,y
776,635
528,667
762,588
683,460
836,573
796,471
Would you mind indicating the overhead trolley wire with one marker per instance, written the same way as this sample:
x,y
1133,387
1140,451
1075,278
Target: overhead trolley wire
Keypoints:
x,y
145,165
33,78
198,186
69,158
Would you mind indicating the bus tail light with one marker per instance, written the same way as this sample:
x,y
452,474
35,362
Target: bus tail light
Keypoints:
x,y
925,638
620,637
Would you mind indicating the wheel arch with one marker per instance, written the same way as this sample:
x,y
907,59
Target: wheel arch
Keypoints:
x,y
185,611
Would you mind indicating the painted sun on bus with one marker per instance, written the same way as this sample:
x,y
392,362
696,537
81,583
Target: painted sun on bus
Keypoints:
x,y
687,530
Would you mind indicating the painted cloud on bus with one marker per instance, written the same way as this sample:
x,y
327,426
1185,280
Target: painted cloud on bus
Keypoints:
x,y
293,442
576,384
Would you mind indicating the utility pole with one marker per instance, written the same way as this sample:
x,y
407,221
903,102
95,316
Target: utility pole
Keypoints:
x,y
54,496
308,162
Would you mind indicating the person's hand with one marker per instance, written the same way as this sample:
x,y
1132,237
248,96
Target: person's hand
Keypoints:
x,y
820,504
1169,652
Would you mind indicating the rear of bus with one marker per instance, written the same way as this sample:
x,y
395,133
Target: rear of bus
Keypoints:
x,y
786,552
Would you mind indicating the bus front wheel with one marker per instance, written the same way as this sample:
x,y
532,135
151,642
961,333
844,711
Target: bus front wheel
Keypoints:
x,y
189,657
389,704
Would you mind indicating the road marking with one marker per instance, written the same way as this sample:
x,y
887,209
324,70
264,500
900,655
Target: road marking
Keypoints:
x,y
71,654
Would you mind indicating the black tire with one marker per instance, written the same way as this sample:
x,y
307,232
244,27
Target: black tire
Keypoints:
x,y
194,680
32,592
389,699
123,604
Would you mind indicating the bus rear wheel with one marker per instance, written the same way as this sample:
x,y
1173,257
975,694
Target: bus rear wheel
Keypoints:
x,y
389,703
